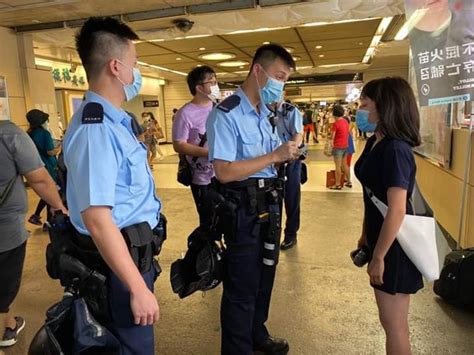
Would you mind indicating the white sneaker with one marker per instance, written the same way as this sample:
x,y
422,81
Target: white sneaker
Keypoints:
x,y
10,336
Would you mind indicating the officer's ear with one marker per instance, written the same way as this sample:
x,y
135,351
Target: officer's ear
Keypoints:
x,y
113,66
257,68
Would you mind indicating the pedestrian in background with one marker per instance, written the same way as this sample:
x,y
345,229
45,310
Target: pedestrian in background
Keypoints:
x,y
48,151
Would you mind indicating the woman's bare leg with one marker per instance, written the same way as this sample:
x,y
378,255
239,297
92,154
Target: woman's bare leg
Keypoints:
x,y
393,314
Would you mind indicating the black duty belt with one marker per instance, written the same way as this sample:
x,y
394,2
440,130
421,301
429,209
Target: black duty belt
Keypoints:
x,y
258,183
260,192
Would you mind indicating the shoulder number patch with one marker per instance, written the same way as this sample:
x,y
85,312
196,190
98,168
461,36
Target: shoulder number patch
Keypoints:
x,y
229,104
93,113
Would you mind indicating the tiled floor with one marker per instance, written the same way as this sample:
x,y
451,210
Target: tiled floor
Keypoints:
x,y
321,302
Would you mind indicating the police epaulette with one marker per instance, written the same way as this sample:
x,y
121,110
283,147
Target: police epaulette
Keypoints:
x,y
93,112
229,104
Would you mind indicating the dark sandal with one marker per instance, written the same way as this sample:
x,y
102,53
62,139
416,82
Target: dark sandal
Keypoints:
x,y
348,184
336,187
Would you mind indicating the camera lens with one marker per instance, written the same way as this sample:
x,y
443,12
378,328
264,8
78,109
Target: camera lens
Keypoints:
x,y
359,257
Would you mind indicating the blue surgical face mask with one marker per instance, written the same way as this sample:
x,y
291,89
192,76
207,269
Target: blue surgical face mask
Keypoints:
x,y
362,121
133,89
272,91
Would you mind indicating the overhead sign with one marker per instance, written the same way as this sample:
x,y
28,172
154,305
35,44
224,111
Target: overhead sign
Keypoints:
x,y
151,103
442,45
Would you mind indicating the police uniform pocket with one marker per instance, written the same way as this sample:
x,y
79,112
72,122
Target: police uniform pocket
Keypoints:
x,y
251,145
136,162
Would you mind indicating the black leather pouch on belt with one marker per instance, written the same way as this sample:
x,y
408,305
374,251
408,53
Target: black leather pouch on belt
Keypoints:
x,y
139,239
160,232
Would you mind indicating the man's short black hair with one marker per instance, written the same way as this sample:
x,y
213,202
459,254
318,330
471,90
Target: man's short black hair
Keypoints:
x,y
338,111
101,39
266,55
197,76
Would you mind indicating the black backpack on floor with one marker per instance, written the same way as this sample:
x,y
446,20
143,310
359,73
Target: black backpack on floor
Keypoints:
x,y
456,282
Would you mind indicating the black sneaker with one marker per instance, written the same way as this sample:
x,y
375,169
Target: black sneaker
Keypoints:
x,y
10,337
288,244
34,219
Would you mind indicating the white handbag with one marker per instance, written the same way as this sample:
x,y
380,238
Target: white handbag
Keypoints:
x,y
417,237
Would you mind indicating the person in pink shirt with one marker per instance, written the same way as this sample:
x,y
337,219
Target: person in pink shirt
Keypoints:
x,y
340,138
189,134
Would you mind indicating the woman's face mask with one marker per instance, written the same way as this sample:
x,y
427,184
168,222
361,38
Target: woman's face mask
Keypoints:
x,y
362,121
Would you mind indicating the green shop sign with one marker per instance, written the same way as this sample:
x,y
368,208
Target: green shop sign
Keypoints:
x,y
65,76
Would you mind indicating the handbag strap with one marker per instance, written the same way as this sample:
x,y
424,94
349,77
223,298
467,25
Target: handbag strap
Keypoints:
x,y
382,207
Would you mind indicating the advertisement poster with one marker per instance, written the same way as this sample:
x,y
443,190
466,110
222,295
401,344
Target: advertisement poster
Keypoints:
x,y
4,108
435,124
442,44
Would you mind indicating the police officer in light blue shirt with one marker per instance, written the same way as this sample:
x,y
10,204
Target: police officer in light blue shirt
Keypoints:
x,y
244,149
109,183
290,128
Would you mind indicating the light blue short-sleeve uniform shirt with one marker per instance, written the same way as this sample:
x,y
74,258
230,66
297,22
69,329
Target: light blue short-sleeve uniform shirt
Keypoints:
x,y
235,131
107,166
290,121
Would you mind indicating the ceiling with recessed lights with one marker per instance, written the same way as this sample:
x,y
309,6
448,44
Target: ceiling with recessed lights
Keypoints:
x,y
324,36
311,46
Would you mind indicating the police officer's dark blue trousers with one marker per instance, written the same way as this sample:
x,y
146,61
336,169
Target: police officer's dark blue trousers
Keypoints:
x,y
292,199
134,339
248,286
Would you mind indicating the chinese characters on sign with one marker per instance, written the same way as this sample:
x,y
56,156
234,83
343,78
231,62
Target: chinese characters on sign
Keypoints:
x,y
435,64
443,50
65,76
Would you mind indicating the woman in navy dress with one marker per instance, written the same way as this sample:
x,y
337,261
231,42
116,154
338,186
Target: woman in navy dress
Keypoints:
x,y
387,167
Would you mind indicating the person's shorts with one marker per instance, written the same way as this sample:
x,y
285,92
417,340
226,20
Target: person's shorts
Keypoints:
x,y
309,127
339,152
11,268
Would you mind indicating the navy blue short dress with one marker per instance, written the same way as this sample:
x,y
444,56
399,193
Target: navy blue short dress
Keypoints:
x,y
389,164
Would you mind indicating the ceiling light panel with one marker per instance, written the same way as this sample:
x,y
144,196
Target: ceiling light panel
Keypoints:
x,y
217,56
234,63
402,33
382,27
